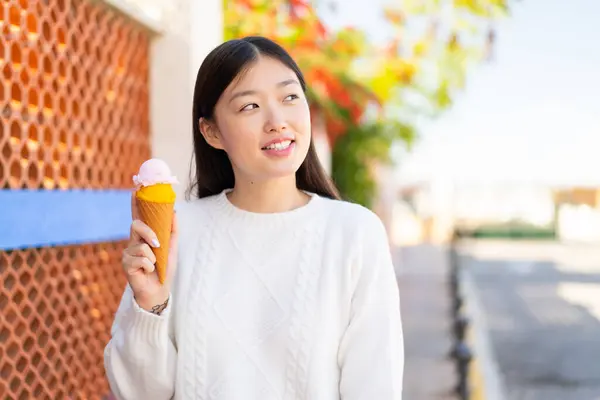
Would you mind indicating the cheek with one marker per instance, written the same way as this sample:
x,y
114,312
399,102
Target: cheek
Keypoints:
x,y
238,139
303,122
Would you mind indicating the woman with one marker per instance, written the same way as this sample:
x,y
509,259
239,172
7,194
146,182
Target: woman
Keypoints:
x,y
282,291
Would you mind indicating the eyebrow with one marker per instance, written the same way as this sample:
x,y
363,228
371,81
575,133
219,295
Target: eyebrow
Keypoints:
x,y
287,82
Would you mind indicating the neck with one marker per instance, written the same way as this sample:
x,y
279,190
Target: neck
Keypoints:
x,y
272,196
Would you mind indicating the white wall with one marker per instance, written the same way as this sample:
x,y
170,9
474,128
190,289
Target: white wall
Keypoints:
x,y
579,223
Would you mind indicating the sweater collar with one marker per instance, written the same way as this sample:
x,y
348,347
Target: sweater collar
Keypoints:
x,y
226,208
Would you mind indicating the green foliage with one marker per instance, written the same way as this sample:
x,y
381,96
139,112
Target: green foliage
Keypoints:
x,y
356,152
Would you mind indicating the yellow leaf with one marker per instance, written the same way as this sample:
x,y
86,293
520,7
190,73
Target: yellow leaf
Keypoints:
x,y
421,47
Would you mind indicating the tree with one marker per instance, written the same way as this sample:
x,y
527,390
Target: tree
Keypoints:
x,y
369,94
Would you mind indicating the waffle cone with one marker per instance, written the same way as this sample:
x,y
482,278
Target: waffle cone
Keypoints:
x,y
159,217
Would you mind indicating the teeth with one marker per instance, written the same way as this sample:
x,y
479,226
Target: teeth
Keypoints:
x,y
279,146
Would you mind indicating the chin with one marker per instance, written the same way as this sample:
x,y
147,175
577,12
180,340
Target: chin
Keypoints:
x,y
280,173
283,167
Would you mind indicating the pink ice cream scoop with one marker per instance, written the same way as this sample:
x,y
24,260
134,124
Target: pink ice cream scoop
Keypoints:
x,y
152,172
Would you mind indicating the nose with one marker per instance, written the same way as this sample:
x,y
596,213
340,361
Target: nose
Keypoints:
x,y
276,121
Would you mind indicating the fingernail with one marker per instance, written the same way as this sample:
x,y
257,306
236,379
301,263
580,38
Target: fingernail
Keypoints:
x,y
155,243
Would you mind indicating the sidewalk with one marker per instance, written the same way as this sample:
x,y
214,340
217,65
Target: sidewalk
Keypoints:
x,y
425,304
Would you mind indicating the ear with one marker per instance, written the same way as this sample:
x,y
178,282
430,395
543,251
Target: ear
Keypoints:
x,y
211,133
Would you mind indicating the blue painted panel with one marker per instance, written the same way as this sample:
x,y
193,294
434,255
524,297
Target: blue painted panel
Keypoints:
x,y
35,218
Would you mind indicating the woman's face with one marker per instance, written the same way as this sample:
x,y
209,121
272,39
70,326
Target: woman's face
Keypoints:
x,y
262,121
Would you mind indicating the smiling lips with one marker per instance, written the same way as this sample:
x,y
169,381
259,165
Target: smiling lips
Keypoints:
x,y
284,144
279,147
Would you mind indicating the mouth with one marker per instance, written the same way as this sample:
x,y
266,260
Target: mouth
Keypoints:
x,y
279,146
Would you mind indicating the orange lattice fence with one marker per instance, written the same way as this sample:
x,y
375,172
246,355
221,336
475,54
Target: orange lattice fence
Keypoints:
x,y
57,305
74,115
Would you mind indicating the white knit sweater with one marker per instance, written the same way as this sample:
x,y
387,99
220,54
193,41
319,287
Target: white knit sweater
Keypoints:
x,y
296,305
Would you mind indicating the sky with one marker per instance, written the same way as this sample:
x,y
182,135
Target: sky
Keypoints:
x,y
531,116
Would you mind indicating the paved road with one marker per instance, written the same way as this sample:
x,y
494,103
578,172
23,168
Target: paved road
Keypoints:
x,y
542,304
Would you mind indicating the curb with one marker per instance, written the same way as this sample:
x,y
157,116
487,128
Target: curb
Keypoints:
x,y
486,380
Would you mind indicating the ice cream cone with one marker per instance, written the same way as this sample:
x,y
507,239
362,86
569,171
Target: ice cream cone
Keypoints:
x,y
156,199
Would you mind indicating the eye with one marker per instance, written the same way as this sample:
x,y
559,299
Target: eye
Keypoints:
x,y
249,107
291,97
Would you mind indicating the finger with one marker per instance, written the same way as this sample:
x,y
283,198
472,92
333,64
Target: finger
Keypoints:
x,y
142,250
141,231
135,212
134,264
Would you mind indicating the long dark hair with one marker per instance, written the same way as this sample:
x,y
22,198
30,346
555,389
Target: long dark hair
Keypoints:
x,y
213,172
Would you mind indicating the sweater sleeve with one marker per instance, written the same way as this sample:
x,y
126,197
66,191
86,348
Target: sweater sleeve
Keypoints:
x,y
371,353
140,358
